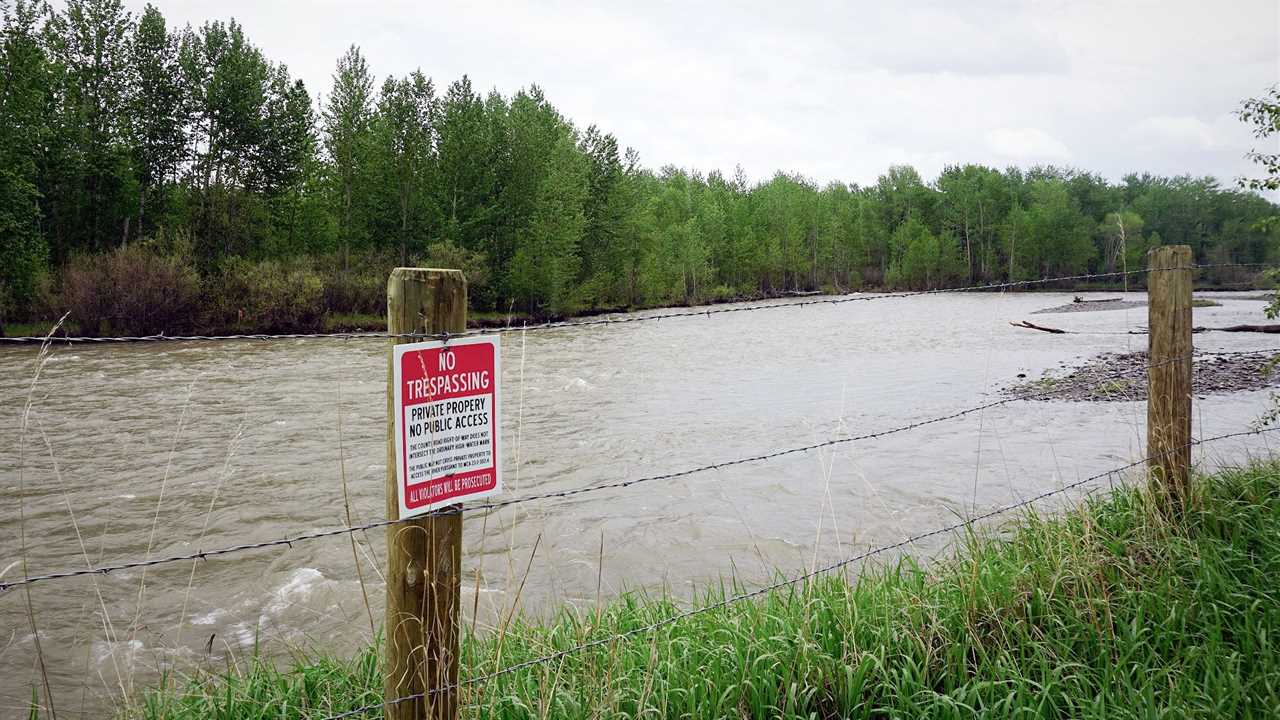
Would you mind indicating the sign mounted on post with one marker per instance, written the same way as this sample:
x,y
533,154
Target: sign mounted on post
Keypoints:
x,y
446,408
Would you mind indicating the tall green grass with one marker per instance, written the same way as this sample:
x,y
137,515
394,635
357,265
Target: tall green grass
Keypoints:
x,y
1109,611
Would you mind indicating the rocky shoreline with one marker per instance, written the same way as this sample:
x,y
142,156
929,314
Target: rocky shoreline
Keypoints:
x,y
1092,306
1122,377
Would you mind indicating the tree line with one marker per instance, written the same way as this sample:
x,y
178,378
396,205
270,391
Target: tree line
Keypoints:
x,y
123,137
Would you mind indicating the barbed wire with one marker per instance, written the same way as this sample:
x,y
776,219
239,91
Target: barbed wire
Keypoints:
x,y
5,586
645,629
625,319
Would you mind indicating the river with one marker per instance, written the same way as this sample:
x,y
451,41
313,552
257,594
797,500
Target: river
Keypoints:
x,y
163,448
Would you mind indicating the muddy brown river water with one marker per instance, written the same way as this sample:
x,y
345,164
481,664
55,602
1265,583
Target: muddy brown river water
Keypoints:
x,y
168,448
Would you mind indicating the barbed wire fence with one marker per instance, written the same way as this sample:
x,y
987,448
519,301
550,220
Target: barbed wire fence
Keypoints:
x,y
289,540
787,582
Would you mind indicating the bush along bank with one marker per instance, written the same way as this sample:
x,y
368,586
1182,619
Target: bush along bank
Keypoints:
x,y
144,290
1110,611
156,287
152,288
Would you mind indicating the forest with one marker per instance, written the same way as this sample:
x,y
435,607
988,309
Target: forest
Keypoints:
x,y
156,178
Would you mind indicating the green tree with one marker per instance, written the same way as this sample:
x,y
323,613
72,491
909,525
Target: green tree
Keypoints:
x,y
287,139
405,129
1122,243
467,165
347,119
786,231
679,268
287,172
898,195
228,78
544,195
24,85
89,158
607,214
1049,237
973,201
156,107
638,246
1263,115
923,260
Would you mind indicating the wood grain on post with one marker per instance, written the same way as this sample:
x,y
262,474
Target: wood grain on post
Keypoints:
x,y
424,554
1169,370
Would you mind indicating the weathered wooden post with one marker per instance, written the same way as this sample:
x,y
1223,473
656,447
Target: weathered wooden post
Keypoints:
x,y
1169,371
423,554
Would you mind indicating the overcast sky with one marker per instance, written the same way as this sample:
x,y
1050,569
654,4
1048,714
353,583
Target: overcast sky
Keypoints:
x,y
833,91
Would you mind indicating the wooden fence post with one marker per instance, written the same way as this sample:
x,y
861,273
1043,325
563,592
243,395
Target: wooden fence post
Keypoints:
x,y
1169,370
424,554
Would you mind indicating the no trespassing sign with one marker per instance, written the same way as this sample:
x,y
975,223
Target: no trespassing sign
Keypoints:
x,y
447,406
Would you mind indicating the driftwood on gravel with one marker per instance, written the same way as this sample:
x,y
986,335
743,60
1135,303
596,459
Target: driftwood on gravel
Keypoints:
x,y
1270,329
1241,328
1029,326
1110,304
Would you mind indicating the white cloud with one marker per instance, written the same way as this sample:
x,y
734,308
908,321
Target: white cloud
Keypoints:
x,y
977,42
1183,130
1026,145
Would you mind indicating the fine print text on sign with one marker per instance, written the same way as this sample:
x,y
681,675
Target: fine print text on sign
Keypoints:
x,y
446,407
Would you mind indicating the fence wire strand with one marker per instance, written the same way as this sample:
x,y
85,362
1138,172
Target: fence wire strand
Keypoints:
x,y
651,627
625,319
5,586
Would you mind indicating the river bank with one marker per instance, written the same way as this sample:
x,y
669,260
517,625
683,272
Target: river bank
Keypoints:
x,y
343,322
1106,611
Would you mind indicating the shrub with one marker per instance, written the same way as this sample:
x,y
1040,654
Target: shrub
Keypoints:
x,y
722,293
356,291
23,251
131,291
271,296
358,285
473,264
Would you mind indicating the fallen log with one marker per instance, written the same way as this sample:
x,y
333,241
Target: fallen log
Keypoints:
x,y
1240,328
1270,329
1078,299
1041,328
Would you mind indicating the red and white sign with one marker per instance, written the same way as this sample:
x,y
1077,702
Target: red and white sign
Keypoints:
x,y
446,407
